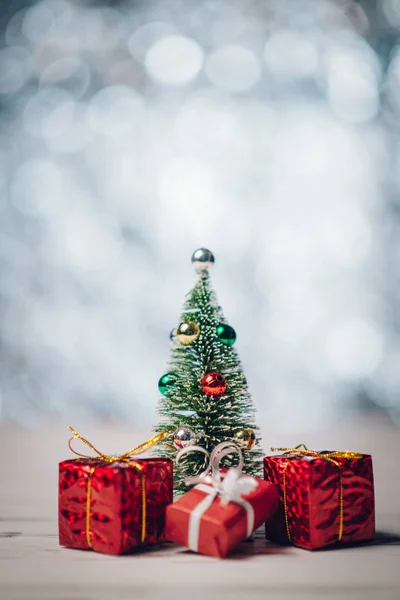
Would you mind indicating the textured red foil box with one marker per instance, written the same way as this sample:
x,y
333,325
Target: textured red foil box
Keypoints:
x,y
115,503
313,500
222,527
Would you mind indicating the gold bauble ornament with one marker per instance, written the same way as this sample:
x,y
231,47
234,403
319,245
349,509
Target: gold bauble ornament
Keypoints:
x,y
187,333
245,438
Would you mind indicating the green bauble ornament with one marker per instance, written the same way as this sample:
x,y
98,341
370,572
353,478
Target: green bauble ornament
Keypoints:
x,y
165,383
226,334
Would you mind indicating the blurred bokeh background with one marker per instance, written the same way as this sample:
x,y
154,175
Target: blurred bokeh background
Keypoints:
x,y
133,132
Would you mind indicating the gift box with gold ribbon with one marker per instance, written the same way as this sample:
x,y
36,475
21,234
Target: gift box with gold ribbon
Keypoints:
x,y
325,497
112,504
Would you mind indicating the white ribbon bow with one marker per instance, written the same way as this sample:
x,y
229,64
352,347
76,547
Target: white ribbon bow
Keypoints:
x,y
230,488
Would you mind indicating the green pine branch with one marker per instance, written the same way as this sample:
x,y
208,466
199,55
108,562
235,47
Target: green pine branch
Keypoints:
x,y
213,419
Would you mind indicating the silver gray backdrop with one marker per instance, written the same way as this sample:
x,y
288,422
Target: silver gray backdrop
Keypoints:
x,y
132,133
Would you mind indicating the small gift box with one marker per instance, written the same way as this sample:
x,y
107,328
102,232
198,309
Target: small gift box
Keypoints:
x,y
324,497
113,504
222,510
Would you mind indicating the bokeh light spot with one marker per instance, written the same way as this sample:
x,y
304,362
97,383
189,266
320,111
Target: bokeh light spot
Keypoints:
x,y
289,54
15,68
354,348
70,73
115,110
174,60
233,68
41,107
145,36
352,81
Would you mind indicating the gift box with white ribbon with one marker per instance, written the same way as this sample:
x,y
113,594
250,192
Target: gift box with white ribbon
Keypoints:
x,y
223,509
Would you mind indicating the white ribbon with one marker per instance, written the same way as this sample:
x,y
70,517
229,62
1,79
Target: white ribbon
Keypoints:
x,y
229,489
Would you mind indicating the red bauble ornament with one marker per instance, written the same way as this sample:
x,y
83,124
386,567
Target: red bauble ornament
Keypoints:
x,y
213,384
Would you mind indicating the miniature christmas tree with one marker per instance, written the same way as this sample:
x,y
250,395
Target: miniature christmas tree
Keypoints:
x,y
206,400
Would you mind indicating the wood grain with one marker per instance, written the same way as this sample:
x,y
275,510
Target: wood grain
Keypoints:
x,y
33,566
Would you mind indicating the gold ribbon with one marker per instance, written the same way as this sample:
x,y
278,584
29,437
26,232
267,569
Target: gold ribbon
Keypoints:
x,y
88,498
109,458
302,450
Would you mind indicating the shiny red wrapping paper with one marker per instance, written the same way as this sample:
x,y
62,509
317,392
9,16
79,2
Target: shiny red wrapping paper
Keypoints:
x,y
313,500
222,527
116,503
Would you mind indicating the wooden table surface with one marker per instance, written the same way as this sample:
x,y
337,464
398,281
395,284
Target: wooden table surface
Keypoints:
x,y
33,565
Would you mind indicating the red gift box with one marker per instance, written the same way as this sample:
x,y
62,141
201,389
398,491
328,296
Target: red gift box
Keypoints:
x,y
202,522
324,498
113,507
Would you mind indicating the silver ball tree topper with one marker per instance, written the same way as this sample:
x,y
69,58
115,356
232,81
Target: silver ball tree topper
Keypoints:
x,y
202,259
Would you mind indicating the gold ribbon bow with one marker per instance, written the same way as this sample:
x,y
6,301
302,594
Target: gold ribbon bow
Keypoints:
x,y
110,458
302,450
